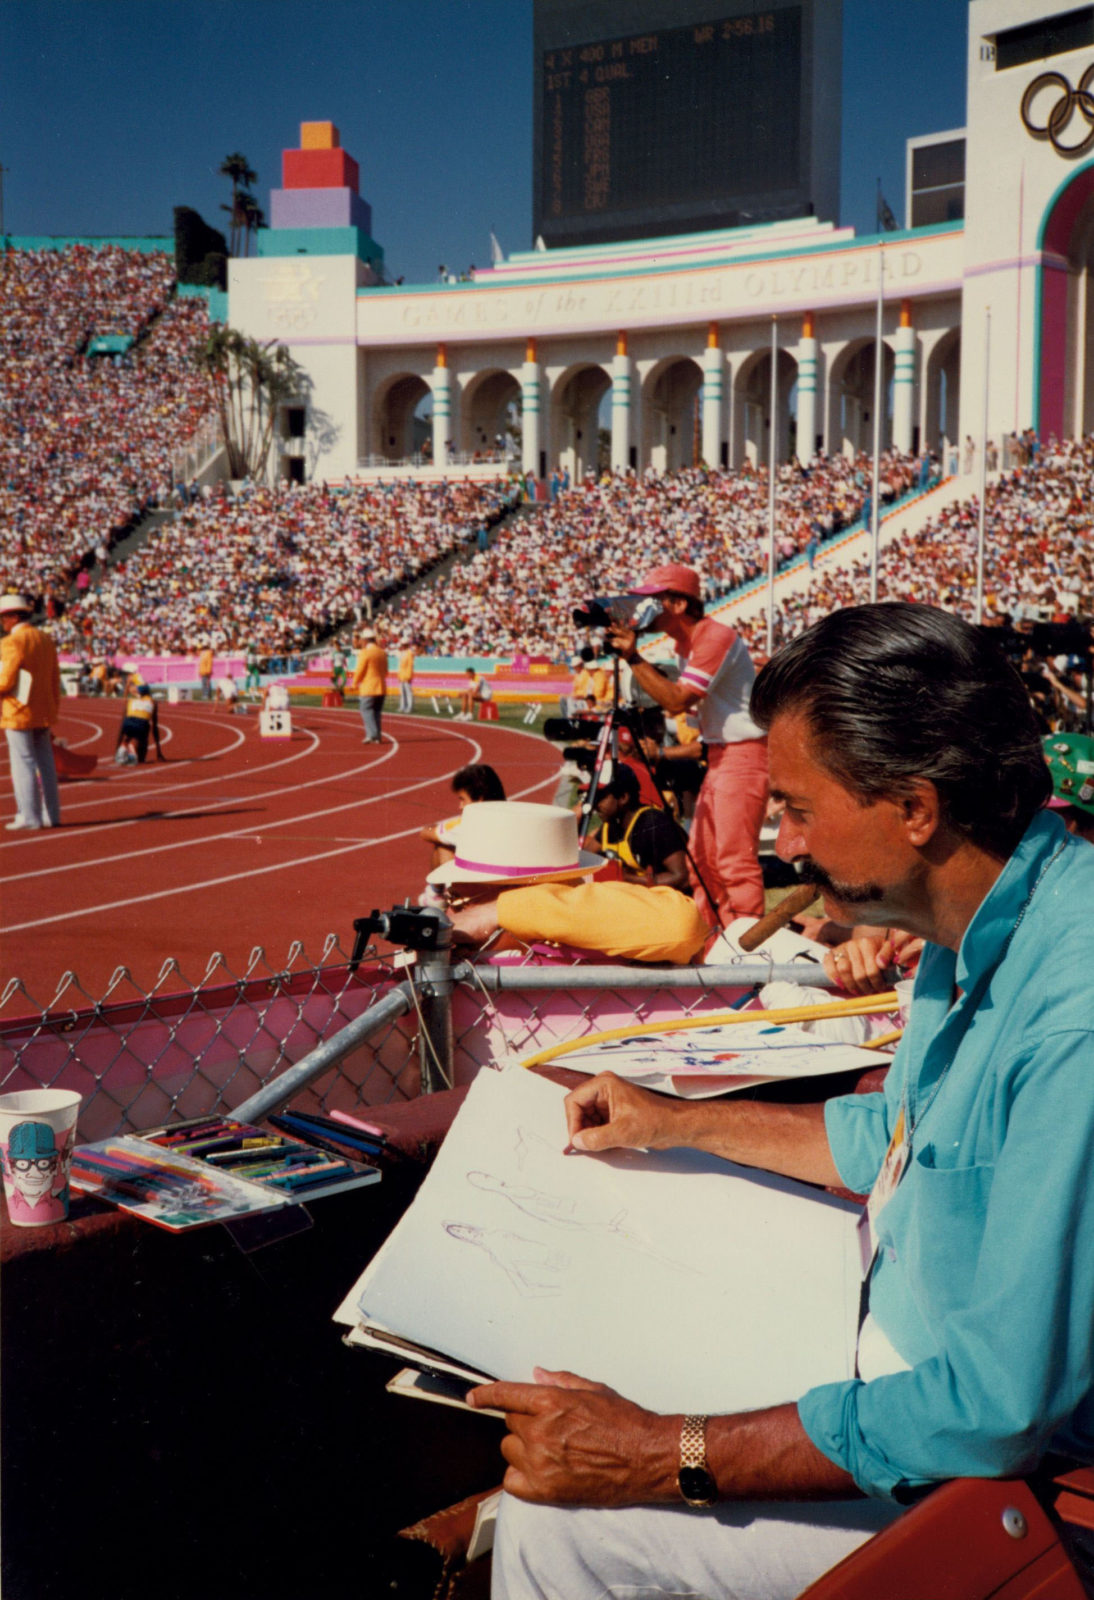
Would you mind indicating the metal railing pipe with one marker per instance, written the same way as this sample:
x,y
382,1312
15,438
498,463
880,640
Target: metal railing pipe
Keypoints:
x,y
746,975
396,1003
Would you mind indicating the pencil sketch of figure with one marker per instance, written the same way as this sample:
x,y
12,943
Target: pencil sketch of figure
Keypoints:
x,y
564,1211
526,1147
534,1269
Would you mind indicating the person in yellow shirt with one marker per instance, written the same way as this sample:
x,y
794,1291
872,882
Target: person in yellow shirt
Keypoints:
x,y
141,721
370,682
405,674
205,671
518,878
30,697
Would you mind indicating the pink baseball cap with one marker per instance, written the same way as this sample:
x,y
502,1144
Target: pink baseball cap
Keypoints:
x,y
673,579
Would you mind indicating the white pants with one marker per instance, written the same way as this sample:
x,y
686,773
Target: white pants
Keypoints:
x,y
769,1551
31,752
406,696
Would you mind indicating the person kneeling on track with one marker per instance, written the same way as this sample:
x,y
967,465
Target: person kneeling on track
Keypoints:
x,y
141,719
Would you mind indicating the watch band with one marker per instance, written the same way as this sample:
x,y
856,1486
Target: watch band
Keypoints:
x,y
697,1486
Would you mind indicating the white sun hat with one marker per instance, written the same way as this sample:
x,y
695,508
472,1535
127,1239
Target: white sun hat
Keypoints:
x,y
512,842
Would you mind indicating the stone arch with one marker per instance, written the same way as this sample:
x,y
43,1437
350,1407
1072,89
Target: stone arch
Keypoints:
x,y
942,397
851,397
1064,402
395,430
575,416
752,421
671,430
486,409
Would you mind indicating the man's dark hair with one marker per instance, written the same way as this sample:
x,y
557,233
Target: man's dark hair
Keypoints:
x,y
898,692
623,784
478,782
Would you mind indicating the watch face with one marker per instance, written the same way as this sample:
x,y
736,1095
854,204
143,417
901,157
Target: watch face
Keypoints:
x,y
697,1486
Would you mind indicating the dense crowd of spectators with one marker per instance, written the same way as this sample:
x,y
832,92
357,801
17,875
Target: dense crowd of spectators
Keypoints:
x,y
86,440
592,539
1038,553
275,569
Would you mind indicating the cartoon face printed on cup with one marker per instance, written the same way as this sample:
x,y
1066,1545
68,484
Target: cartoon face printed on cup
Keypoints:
x,y
37,1172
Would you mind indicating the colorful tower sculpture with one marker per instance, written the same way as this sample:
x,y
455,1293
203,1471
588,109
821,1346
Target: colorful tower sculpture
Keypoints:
x,y
319,210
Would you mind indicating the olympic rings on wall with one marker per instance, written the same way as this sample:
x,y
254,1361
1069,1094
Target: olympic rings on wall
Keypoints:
x,y
1058,121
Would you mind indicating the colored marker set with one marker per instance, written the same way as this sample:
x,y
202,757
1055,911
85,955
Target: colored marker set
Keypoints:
x,y
241,1150
211,1169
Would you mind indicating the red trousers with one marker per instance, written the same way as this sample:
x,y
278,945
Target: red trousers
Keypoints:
x,y
725,831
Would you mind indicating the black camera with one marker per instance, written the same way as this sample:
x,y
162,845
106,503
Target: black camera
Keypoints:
x,y
558,729
637,611
1070,638
414,927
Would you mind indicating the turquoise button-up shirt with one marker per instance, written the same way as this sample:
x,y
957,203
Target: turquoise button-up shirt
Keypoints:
x,y
984,1275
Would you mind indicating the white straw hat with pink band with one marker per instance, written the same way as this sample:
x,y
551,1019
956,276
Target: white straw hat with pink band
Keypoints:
x,y
512,842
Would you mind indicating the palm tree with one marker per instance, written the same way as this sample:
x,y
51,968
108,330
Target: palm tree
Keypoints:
x,y
252,217
239,170
252,382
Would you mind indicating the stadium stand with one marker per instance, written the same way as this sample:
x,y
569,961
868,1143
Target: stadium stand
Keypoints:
x,y
519,594
276,569
86,440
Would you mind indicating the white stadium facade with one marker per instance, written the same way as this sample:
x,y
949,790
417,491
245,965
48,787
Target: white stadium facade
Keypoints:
x,y
669,340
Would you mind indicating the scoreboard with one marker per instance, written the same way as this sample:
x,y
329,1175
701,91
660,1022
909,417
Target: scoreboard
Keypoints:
x,y
673,128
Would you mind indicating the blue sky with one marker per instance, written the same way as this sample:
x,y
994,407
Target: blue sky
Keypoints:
x,y
115,111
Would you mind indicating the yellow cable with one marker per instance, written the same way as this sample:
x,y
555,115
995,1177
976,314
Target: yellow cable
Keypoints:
x,y
856,1006
883,1039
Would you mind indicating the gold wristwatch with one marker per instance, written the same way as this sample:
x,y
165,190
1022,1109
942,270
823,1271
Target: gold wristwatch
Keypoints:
x,y
696,1485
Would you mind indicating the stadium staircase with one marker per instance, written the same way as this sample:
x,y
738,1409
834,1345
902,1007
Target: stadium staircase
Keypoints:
x,y
436,574
850,545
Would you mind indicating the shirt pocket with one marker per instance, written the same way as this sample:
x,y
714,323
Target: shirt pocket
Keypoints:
x,y
932,1231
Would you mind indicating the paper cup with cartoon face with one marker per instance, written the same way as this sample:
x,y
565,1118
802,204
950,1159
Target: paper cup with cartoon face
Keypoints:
x,y
37,1133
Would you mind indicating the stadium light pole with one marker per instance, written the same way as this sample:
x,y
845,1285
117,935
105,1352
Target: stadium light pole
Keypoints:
x,y
875,507
771,492
979,613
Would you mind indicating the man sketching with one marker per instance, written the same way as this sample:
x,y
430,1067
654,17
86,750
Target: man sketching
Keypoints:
x,y
906,753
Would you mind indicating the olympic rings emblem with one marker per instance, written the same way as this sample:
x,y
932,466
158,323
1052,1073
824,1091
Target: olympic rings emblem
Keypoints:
x,y
1057,122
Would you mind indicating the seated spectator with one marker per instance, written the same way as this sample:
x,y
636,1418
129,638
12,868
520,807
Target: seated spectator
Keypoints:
x,y
476,691
642,838
518,881
470,785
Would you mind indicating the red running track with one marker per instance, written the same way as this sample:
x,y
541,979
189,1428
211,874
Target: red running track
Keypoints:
x,y
235,841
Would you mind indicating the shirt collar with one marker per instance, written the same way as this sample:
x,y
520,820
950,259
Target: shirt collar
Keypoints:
x,y
995,918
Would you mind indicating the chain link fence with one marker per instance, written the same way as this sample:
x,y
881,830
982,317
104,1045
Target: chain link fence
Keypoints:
x,y
326,1033
182,1048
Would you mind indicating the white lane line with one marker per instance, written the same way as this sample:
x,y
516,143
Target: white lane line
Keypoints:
x,y
460,735
258,827
236,877
198,783
82,722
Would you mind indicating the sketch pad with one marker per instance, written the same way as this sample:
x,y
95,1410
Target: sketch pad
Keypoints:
x,y
687,1283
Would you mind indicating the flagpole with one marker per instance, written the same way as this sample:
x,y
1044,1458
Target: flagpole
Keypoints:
x,y
771,491
979,613
875,508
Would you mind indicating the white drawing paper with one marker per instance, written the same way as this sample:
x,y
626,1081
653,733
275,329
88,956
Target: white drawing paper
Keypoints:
x,y
685,1282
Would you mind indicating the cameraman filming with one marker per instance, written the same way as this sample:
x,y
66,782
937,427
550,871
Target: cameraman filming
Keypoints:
x,y
716,677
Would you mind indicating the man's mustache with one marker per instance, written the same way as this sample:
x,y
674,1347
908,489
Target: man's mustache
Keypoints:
x,y
852,894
